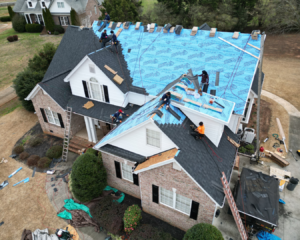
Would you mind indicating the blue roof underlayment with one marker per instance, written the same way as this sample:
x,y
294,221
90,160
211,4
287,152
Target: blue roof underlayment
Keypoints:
x,y
158,58
141,115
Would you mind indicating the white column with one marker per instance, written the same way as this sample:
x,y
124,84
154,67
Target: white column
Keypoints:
x,y
88,129
43,19
37,16
93,130
30,18
26,18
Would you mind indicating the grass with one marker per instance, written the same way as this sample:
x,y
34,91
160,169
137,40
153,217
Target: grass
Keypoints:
x,y
10,107
147,4
14,56
3,11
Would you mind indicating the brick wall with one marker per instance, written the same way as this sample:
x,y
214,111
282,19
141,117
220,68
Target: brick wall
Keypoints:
x,y
42,100
112,180
90,10
169,178
57,22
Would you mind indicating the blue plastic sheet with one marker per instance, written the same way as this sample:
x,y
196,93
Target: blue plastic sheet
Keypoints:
x,y
71,205
108,188
262,235
65,214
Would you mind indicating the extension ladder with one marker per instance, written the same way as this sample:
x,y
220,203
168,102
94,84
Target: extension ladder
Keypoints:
x,y
233,207
67,135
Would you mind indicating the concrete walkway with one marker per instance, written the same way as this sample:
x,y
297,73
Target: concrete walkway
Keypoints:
x,y
290,108
7,94
57,198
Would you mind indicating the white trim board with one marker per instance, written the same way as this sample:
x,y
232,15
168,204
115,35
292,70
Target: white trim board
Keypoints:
x,y
155,165
33,92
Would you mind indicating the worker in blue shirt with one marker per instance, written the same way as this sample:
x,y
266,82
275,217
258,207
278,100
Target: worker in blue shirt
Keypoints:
x,y
107,17
103,38
114,41
165,99
118,116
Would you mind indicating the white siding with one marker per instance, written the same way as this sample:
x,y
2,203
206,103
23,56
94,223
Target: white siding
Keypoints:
x,y
213,130
33,4
54,8
136,141
116,97
234,121
139,99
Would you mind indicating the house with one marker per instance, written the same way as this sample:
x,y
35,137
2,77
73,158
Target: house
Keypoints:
x,y
151,154
87,11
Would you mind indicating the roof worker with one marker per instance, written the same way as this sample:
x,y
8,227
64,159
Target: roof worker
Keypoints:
x,y
165,99
204,81
114,41
118,116
198,132
107,17
103,38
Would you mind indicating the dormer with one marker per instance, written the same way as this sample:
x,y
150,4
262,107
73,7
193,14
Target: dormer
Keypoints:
x,y
31,4
59,6
45,3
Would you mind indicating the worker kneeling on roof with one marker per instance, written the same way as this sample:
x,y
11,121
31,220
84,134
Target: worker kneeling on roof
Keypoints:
x,y
165,99
103,39
198,132
118,116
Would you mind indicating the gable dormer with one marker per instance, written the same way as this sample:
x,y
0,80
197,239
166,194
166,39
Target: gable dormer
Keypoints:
x,y
31,4
45,3
60,6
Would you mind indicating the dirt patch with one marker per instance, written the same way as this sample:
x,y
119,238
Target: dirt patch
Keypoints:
x,y
25,205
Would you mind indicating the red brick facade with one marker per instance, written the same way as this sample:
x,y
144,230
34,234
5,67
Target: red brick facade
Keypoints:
x,y
42,100
121,184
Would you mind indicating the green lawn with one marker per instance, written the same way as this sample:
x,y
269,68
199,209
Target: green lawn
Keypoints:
x,y
14,56
3,11
147,4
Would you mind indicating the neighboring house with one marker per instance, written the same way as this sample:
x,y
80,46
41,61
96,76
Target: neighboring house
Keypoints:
x,y
151,154
87,10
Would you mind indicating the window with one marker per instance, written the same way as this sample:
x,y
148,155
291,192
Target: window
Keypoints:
x,y
94,89
60,5
30,4
64,21
175,201
92,68
43,5
95,9
127,172
52,117
153,138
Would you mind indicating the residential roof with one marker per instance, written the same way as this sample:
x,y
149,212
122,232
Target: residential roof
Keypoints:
x,y
255,82
156,59
25,8
258,195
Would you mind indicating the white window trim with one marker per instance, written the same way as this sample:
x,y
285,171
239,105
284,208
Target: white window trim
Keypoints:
x,y
42,4
159,138
29,5
129,180
60,5
100,90
62,21
174,201
52,117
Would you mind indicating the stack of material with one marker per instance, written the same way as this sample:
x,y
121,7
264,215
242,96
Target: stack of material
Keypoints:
x,y
212,32
152,27
137,25
236,35
172,29
176,95
126,25
110,24
178,29
276,158
254,34
167,27
194,31
119,24
119,31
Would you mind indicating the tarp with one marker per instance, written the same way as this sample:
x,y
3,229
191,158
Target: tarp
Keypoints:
x,y
71,205
43,235
108,188
65,215
262,235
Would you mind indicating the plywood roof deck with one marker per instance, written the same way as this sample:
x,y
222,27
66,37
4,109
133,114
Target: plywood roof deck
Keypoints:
x,y
158,159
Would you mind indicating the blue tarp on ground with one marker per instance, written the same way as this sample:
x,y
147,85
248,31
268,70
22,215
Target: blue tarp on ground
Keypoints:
x,y
262,235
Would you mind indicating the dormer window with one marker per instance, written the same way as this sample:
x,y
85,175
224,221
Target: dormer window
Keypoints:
x,y
43,5
30,4
60,5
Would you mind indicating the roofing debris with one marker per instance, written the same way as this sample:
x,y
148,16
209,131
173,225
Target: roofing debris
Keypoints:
x,y
233,142
109,69
88,105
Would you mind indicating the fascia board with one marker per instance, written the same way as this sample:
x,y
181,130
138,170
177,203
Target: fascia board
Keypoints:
x,y
155,165
33,92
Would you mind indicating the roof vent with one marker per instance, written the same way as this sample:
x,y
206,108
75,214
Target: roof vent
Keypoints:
x,y
167,27
145,28
213,92
217,79
212,32
178,29
159,29
127,24
99,23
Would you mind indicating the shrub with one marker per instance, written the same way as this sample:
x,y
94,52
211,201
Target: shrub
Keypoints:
x,y
34,28
54,152
10,38
91,151
24,155
59,29
203,231
5,19
148,232
56,33
18,149
18,23
15,37
44,162
49,22
10,12
242,150
74,18
249,147
33,142
33,160
88,177
251,151
109,214
132,218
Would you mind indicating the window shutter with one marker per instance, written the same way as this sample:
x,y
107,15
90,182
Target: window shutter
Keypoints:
x,y
118,169
86,92
44,115
154,193
105,89
60,120
59,19
194,210
135,179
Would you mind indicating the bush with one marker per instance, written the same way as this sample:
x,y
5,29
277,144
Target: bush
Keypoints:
x,y
88,177
5,19
33,142
18,23
18,149
10,12
242,150
49,22
91,151
59,29
10,38
24,155
33,160
54,152
44,162
74,18
132,218
110,214
15,37
34,28
147,232
203,231
56,33
249,147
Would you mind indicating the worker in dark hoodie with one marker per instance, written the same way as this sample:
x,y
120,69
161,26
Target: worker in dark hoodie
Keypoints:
x,y
103,39
165,99
114,41
204,81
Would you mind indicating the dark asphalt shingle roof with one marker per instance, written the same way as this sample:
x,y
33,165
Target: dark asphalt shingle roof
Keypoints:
x,y
255,81
123,153
201,158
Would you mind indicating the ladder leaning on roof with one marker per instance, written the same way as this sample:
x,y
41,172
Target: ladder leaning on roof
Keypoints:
x,y
67,135
233,207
